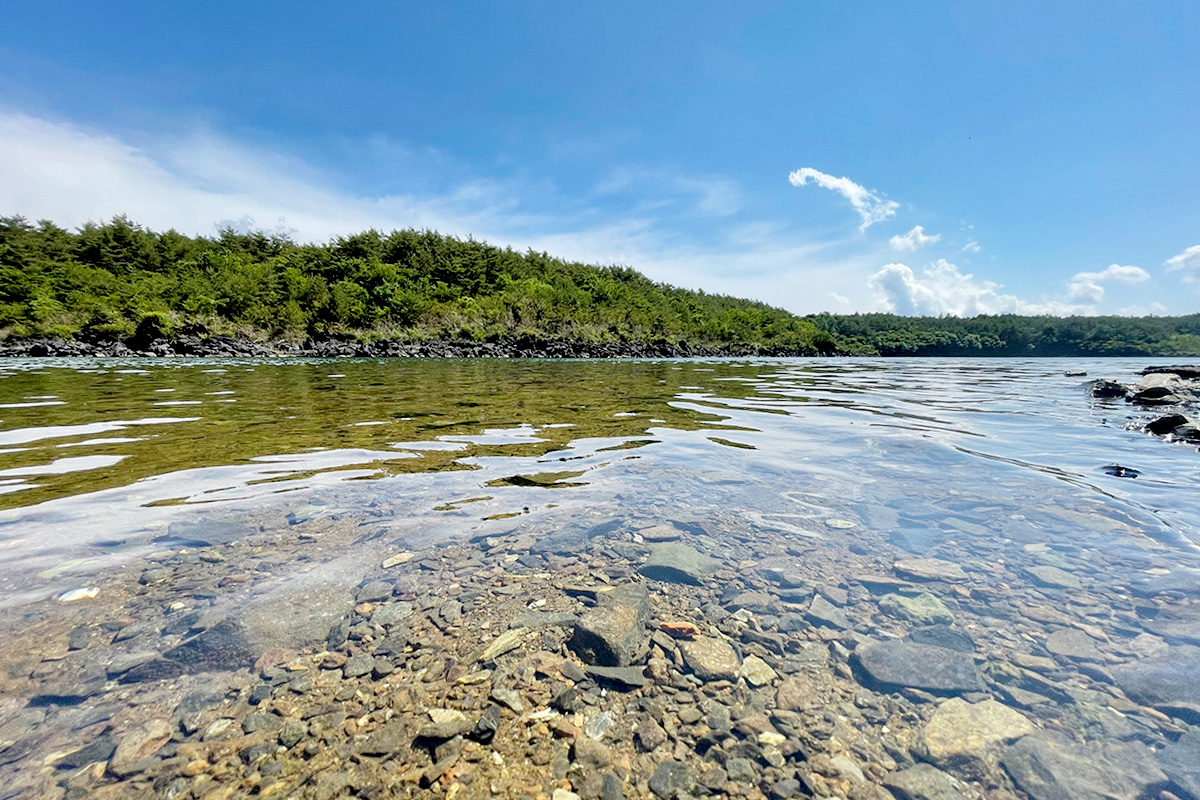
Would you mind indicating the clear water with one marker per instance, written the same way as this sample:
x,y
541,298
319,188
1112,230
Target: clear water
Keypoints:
x,y
997,465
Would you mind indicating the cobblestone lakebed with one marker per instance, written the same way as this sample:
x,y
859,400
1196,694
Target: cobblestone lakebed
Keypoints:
x,y
759,579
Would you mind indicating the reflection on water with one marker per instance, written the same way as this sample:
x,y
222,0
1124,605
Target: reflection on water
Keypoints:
x,y
1001,470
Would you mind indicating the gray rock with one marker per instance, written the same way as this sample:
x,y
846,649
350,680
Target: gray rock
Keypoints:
x,y
669,779
292,732
445,730
391,738
929,569
613,634
822,612
1180,623
1053,577
297,612
1048,767
1166,682
1181,763
391,613
678,563
621,677
1183,581
124,662
612,788
357,666
710,659
924,782
923,609
1073,644
544,619
895,664
374,591
942,636
741,770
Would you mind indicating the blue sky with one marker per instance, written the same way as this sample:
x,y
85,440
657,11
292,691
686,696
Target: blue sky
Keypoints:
x,y
942,157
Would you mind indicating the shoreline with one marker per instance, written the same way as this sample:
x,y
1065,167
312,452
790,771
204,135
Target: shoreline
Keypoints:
x,y
347,347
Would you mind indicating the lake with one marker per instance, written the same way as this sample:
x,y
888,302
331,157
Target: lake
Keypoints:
x,y
485,577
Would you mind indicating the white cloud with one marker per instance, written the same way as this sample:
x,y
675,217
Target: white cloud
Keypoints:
x,y
971,246
871,207
1187,262
914,239
942,290
195,181
1086,287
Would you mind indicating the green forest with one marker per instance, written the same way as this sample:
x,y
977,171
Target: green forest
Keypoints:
x,y
1012,335
118,280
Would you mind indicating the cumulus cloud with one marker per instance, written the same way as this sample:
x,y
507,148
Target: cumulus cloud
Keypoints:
x,y
1087,287
941,290
1187,262
914,239
871,207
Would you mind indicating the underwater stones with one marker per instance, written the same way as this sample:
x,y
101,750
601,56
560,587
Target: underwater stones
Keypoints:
x,y
1049,767
899,664
1052,577
1181,581
797,693
924,782
929,569
504,643
669,779
391,738
1176,622
942,636
1073,644
660,533
390,613
1181,762
621,677
678,563
922,609
613,633
757,672
295,613
1164,682
961,732
710,659
822,612
138,744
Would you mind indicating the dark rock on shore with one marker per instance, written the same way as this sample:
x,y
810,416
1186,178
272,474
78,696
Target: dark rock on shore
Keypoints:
x,y
202,346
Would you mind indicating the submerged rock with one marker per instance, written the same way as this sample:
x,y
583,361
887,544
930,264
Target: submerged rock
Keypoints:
x,y
1166,682
1048,767
924,782
962,733
710,659
898,664
678,563
923,609
1181,762
613,634
929,569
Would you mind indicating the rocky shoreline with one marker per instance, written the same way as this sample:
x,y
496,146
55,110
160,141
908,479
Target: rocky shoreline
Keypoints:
x,y
197,346
1169,396
615,658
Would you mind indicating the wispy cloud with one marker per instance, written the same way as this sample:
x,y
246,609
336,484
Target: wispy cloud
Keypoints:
x,y
1187,262
940,290
971,246
869,204
1088,287
914,239
197,180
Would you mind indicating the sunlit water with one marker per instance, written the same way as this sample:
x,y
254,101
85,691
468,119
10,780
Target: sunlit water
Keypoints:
x,y
994,464
97,457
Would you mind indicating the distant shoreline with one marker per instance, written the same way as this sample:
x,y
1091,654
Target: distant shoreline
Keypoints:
x,y
346,347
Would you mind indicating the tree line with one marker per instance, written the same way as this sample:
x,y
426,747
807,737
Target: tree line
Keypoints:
x,y
117,278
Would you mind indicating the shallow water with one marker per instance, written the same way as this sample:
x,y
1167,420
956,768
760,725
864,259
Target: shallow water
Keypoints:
x,y
996,465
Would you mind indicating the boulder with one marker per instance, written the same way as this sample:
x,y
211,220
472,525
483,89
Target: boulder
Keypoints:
x,y
895,664
1048,767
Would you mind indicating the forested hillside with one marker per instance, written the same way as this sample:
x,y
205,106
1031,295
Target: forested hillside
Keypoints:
x,y
110,280
122,281
1012,335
